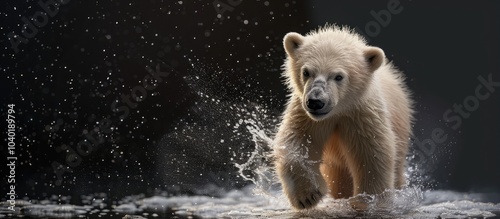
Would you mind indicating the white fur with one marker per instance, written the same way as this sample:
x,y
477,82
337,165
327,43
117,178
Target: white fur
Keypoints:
x,y
358,141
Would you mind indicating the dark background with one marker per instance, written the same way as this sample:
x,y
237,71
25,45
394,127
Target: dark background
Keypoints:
x,y
181,136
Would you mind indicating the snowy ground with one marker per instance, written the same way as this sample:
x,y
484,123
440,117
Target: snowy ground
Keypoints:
x,y
409,203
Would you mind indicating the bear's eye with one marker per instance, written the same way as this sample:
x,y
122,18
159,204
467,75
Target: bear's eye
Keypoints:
x,y
339,78
305,73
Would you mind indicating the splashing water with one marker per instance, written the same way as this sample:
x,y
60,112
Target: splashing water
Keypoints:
x,y
258,168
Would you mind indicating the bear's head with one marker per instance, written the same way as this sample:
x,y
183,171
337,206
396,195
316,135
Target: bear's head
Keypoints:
x,y
329,69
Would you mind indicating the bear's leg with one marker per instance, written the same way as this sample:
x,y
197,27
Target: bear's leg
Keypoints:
x,y
372,170
400,180
334,168
370,156
300,178
298,158
402,150
339,180
402,128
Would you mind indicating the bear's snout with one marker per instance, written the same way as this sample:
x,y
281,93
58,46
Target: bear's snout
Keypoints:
x,y
316,101
315,104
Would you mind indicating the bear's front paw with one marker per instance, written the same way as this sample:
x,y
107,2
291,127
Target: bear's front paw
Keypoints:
x,y
304,199
303,188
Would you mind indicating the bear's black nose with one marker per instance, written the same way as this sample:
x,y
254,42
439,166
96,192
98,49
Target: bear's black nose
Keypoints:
x,y
315,104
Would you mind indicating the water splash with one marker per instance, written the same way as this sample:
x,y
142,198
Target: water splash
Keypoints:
x,y
390,202
258,169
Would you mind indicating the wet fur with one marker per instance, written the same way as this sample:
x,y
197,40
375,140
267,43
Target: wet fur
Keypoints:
x,y
362,145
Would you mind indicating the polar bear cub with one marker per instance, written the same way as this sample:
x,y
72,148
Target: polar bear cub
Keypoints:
x,y
347,123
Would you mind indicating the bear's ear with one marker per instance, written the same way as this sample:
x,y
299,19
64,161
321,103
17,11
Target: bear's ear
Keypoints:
x,y
292,42
375,58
